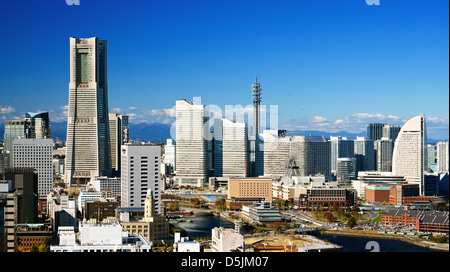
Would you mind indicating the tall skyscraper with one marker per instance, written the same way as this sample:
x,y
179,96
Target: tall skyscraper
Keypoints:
x,y
410,151
87,146
385,147
341,147
192,142
38,154
321,152
139,173
391,131
431,160
40,127
118,135
364,154
14,130
346,170
256,103
231,149
375,131
442,156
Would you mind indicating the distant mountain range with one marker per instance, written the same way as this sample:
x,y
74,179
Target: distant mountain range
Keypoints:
x,y
158,132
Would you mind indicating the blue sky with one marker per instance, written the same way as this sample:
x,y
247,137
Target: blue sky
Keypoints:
x,y
328,64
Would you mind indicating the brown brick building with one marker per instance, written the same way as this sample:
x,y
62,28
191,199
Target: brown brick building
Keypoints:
x,y
424,221
246,191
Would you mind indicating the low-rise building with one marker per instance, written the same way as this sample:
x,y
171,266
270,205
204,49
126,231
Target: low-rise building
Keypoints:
x,y
107,236
262,212
246,191
226,240
183,244
378,193
424,221
154,227
324,194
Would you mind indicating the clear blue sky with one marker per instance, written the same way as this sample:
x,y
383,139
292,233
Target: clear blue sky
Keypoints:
x,y
327,64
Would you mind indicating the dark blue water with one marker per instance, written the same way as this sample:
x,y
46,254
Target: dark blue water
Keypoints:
x,y
357,244
202,224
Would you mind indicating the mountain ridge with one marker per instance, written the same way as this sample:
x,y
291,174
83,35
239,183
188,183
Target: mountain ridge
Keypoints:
x,y
159,132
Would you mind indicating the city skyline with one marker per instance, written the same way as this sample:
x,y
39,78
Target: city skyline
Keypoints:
x,y
323,64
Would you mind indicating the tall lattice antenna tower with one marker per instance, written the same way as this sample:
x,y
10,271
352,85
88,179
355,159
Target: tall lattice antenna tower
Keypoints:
x,y
256,102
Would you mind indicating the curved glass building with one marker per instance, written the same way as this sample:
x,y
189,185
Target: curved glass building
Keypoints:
x,y
409,158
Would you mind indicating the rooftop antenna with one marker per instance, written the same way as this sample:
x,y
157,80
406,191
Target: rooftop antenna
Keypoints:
x,y
256,103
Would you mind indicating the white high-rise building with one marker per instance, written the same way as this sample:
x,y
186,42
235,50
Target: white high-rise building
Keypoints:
x,y
410,151
169,153
87,147
442,156
192,141
140,172
36,153
231,149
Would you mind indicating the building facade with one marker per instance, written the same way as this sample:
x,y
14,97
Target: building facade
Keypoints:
x,y
87,145
192,138
118,135
36,153
341,147
364,154
385,147
231,149
410,151
140,171
442,156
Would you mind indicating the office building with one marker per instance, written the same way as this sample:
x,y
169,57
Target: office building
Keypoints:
x,y
320,193
14,130
262,212
192,143
341,147
87,145
108,187
431,158
231,150
385,147
39,123
118,135
169,153
245,191
364,154
346,170
38,154
442,157
61,209
391,131
410,151
140,172
374,131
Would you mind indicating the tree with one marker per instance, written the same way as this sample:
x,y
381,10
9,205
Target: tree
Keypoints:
x,y
329,216
351,222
